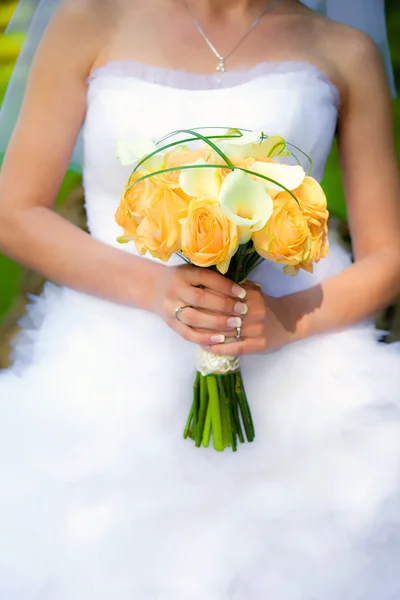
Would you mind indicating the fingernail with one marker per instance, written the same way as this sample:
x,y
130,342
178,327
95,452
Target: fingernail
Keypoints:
x,y
217,339
234,322
241,309
239,291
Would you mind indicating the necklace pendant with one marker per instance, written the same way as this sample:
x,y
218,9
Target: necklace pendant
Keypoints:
x,y
221,66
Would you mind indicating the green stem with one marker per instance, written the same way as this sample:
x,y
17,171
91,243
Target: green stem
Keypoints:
x,y
235,409
202,411
304,154
245,418
207,141
243,394
229,166
230,399
225,416
207,428
196,403
174,144
232,419
250,415
225,136
236,270
244,408
187,431
215,412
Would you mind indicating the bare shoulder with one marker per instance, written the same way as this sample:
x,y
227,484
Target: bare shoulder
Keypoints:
x,y
98,12
350,47
79,30
351,55
86,11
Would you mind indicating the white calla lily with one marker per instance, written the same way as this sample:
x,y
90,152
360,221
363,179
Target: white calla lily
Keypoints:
x,y
240,146
130,152
243,138
289,176
200,182
246,203
274,145
252,144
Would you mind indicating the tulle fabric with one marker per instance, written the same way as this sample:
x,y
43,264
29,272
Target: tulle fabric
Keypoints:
x,y
102,498
183,80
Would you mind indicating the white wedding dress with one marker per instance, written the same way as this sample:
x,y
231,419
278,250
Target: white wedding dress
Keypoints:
x,y
102,499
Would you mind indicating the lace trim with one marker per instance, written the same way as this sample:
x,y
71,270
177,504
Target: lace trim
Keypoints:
x,y
198,81
211,364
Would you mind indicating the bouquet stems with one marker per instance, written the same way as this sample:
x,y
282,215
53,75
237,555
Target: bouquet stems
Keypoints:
x,y
219,411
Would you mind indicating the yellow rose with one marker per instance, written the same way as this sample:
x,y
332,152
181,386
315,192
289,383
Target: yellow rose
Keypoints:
x,y
208,236
132,207
312,200
286,237
159,231
319,245
313,205
150,214
126,221
136,194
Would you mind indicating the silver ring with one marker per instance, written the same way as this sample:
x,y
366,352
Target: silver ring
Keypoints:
x,y
238,334
178,311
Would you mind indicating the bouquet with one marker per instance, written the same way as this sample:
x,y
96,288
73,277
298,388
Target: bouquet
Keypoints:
x,y
224,200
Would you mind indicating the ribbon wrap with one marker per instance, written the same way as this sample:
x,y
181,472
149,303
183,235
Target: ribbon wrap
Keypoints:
x,y
211,364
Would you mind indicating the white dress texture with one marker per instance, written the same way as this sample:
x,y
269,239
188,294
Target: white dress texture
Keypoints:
x,y
101,498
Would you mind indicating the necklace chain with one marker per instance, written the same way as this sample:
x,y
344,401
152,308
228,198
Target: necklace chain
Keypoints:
x,y
222,59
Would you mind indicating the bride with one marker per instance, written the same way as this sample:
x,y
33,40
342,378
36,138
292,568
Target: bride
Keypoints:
x,y
101,498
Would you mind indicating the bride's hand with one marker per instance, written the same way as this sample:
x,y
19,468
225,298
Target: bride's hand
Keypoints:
x,y
210,304
269,325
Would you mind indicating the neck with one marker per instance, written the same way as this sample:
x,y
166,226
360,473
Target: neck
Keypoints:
x,y
234,4
218,8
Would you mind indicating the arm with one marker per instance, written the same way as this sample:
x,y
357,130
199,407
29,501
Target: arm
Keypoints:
x,y
37,158
36,161
372,187
371,180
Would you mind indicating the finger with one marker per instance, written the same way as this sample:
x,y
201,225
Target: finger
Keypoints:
x,y
241,348
257,311
207,300
196,337
252,331
251,285
215,282
202,320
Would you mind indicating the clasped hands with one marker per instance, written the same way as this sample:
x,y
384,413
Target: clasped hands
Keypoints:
x,y
208,309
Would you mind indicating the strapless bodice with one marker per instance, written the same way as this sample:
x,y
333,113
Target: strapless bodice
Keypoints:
x,y
128,100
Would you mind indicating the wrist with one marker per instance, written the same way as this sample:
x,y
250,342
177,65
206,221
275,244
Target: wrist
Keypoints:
x,y
302,310
146,282
292,323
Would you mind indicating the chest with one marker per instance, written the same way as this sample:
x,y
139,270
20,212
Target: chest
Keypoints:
x,y
127,100
161,34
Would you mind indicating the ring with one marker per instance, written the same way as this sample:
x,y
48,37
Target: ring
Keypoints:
x,y
238,334
178,311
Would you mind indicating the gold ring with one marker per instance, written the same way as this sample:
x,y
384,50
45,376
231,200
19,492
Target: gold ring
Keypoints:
x,y
178,311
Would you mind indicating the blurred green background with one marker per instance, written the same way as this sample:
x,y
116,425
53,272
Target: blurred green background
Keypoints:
x,y
9,48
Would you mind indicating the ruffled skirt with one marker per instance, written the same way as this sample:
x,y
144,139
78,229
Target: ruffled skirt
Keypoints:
x,y
102,499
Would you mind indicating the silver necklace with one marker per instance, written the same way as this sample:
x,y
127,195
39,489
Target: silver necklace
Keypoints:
x,y
222,59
